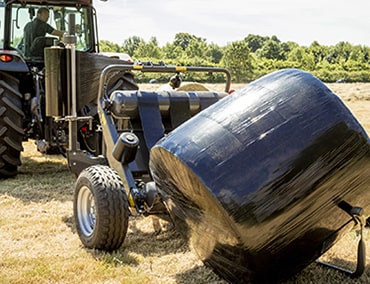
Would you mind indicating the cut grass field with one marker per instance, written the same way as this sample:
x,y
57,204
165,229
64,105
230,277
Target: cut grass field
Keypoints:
x,y
39,244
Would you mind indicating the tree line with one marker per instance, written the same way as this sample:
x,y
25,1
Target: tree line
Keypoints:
x,y
252,57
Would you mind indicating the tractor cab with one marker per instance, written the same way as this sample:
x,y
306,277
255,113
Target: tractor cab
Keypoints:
x,y
27,33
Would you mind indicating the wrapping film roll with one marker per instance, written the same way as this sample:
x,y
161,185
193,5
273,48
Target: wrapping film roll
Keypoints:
x,y
257,181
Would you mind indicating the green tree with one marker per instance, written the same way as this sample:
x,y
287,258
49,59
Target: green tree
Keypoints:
x,y
344,50
302,58
108,46
131,44
318,51
339,53
255,42
237,58
254,56
216,53
149,50
271,50
197,47
196,51
360,54
287,47
297,54
183,40
172,51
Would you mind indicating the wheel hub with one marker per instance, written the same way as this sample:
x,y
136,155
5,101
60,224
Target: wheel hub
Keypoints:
x,y
86,211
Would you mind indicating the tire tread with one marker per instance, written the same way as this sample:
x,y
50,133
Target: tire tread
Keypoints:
x,y
111,208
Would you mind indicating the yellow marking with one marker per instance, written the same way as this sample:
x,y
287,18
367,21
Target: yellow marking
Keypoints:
x,y
131,201
103,121
137,67
181,68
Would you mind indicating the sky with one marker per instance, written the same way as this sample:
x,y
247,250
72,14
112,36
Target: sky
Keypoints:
x,y
222,22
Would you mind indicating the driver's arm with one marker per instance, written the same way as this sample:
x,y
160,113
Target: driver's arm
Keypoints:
x,y
57,33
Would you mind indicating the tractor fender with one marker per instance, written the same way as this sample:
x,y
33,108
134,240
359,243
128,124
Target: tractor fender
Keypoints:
x,y
12,61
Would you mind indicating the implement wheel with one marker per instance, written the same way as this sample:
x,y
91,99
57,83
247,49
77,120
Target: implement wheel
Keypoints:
x,y
100,208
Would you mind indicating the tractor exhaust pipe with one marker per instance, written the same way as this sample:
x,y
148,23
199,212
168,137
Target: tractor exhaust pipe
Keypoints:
x,y
70,40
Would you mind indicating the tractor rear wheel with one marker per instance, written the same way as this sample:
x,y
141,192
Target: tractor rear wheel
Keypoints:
x,y
100,208
11,122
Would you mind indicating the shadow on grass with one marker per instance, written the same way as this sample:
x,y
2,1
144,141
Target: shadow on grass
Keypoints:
x,y
147,244
318,273
198,275
119,257
114,258
314,273
345,268
69,221
138,244
44,180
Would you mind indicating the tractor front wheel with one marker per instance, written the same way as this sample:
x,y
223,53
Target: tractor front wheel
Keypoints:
x,y
100,208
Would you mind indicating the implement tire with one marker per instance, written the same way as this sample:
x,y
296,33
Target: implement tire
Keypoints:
x,y
100,208
11,122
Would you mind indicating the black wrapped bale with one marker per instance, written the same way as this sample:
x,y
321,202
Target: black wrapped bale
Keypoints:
x,y
257,181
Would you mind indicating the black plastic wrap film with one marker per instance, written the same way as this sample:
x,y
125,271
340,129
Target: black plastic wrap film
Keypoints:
x,y
256,181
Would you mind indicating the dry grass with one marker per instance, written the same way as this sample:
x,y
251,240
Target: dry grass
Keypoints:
x,y
39,243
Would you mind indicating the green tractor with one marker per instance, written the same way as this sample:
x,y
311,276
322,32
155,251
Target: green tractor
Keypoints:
x,y
22,75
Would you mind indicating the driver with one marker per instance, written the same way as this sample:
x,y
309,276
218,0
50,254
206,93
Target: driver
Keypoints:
x,y
38,28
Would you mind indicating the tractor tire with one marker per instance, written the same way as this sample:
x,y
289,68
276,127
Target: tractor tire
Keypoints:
x,y
100,208
11,122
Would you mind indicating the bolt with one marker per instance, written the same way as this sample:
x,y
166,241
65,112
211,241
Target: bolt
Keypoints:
x,y
130,138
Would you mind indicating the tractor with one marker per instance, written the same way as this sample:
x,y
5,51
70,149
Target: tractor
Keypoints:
x,y
85,105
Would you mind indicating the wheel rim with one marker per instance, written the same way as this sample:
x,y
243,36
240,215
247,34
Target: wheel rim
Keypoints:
x,y
86,211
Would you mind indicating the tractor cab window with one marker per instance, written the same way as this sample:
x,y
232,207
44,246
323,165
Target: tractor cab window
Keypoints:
x,y
58,18
2,8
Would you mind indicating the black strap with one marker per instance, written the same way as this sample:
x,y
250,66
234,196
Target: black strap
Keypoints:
x,y
206,101
150,116
179,109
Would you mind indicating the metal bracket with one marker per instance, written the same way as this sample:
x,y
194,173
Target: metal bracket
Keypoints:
x,y
359,218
